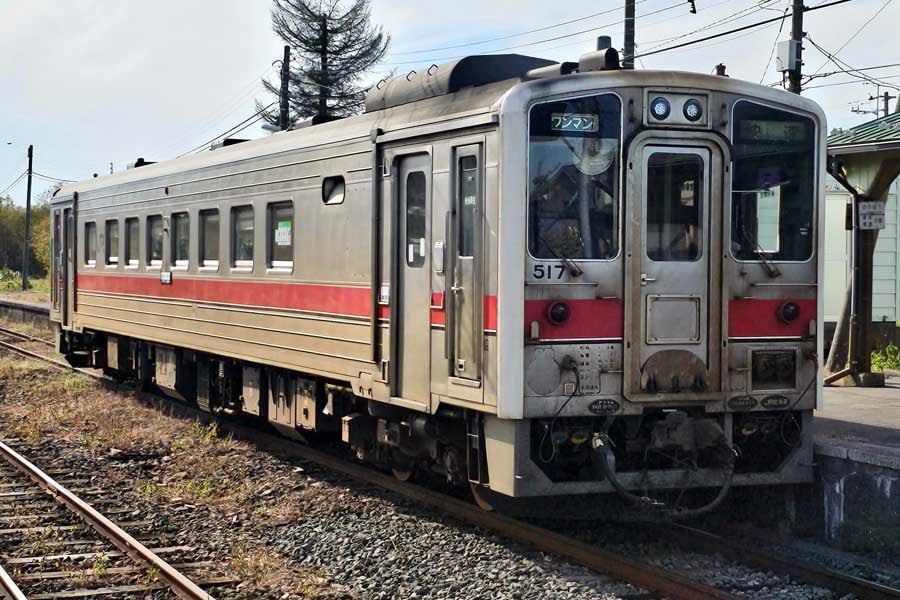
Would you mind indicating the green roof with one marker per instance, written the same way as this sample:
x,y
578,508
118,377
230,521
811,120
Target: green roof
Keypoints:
x,y
883,130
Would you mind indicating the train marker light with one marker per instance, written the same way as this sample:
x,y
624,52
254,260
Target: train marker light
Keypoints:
x,y
693,110
788,312
558,313
660,108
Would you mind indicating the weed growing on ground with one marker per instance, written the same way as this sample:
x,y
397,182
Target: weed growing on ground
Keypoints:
x,y
889,358
100,566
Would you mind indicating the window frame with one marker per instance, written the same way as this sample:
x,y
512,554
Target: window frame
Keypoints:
x,y
817,137
153,263
421,258
110,260
337,180
700,197
132,263
204,263
243,264
174,261
88,262
619,176
272,265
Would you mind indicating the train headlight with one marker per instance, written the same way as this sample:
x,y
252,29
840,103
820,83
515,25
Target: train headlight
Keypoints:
x,y
693,110
660,108
558,313
788,312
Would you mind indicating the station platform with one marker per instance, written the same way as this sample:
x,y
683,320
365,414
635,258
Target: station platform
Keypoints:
x,y
855,415
21,309
857,457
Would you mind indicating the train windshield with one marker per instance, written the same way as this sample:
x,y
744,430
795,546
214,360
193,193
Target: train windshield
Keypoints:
x,y
773,185
573,196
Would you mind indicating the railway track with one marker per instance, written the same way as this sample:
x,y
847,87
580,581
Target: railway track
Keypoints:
x,y
56,545
659,582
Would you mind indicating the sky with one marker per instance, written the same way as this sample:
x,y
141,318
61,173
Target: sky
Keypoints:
x,y
94,82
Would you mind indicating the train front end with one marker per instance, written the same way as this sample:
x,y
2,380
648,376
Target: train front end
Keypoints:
x,y
659,285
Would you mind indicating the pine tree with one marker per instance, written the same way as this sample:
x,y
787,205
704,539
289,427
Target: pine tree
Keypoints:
x,y
333,44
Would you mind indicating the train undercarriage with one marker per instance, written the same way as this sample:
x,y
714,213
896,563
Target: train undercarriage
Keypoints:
x,y
644,459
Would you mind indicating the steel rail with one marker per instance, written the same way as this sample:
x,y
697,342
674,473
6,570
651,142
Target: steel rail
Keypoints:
x,y
842,583
181,585
25,336
8,587
638,573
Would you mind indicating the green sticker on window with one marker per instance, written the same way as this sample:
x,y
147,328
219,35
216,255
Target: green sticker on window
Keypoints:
x,y
283,233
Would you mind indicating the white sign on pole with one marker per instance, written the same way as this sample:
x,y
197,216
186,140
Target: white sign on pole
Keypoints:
x,y
871,214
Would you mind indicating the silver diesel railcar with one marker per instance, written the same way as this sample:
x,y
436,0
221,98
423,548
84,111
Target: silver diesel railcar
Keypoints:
x,y
537,278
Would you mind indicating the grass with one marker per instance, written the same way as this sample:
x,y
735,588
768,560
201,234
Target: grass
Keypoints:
x,y
888,358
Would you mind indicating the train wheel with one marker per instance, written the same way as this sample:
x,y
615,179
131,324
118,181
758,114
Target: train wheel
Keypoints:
x,y
479,498
402,474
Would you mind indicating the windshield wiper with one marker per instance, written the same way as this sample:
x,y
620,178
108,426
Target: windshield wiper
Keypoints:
x,y
757,250
574,269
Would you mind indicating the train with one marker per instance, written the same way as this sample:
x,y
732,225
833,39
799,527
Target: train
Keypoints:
x,y
542,280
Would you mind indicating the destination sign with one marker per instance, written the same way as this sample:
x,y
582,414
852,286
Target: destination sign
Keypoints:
x,y
574,122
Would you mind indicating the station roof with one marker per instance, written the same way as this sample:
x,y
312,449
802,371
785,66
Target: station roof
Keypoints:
x,y
873,136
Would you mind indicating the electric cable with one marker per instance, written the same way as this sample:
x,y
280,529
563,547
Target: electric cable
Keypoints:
x,y
552,39
50,177
573,366
513,35
13,184
774,45
736,30
852,37
239,127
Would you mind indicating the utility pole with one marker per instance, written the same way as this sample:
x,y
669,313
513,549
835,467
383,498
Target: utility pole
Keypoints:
x,y
628,61
283,117
795,73
25,253
887,103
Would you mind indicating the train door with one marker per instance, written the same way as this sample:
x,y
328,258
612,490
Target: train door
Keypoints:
x,y
56,265
672,308
68,262
411,312
466,294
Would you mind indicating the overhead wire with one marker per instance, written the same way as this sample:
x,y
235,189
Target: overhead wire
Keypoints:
x,y
513,35
736,30
775,43
534,43
852,37
50,177
15,181
840,63
239,127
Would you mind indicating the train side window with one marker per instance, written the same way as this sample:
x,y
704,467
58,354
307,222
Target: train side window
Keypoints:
x,y
242,237
132,243
415,219
209,238
674,206
181,240
333,190
112,243
90,244
155,240
281,235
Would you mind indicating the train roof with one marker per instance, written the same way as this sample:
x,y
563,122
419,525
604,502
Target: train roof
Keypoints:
x,y
468,87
